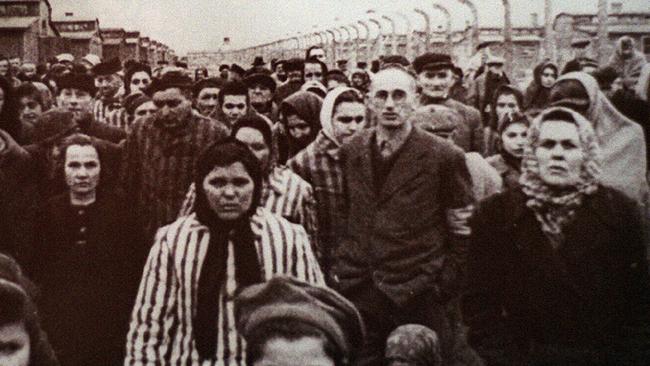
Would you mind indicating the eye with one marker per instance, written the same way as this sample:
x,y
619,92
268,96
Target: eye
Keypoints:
x,y
399,95
74,164
381,94
511,135
240,182
569,145
547,144
92,164
217,182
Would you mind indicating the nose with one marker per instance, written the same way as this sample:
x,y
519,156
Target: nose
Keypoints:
x,y
228,190
390,103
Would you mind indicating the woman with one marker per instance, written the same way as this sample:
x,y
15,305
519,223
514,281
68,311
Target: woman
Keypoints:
x,y
557,269
300,114
537,93
8,110
84,261
30,105
343,113
137,79
413,345
624,153
197,264
507,99
23,341
511,139
283,192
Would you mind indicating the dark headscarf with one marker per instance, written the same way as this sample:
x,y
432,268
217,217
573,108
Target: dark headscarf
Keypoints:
x,y
307,106
214,268
536,94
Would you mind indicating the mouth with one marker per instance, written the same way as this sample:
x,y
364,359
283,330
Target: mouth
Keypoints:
x,y
555,169
389,116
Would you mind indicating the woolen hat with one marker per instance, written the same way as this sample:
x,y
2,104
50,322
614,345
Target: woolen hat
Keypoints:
x,y
171,79
286,298
133,101
262,77
74,80
431,62
109,67
65,57
207,83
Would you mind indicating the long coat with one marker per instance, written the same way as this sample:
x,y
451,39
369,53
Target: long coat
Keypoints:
x,y
398,237
586,296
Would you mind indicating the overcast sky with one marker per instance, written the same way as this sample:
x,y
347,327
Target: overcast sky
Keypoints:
x,y
190,25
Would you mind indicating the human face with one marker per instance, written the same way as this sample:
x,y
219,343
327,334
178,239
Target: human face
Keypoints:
x,y
392,97
357,80
318,53
229,191
145,110
77,101
506,104
108,85
348,118
173,106
82,169
548,77
617,85
280,73
255,142
29,70
29,110
294,76
627,51
15,63
436,83
259,94
15,347
234,107
331,84
139,81
514,139
306,351
298,128
559,154
314,72
4,67
207,101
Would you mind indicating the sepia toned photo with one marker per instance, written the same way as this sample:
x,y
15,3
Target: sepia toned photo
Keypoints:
x,y
324,183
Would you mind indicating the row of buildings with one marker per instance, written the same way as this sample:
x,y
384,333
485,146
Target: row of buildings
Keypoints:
x,y
528,42
29,31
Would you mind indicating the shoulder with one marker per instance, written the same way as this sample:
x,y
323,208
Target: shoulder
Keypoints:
x,y
501,209
178,232
497,162
358,142
435,146
464,109
613,205
277,228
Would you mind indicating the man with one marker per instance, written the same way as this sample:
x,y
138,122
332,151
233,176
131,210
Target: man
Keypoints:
x,y
316,52
279,73
261,87
482,90
236,73
627,61
206,96
581,52
343,65
108,107
234,102
435,77
409,197
160,152
223,71
314,70
294,68
65,59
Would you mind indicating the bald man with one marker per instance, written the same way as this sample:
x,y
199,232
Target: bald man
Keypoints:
x,y
410,197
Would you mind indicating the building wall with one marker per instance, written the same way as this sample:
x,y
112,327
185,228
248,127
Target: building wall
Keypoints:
x,y
30,43
130,52
111,51
52,46
95,46
11,43
79,48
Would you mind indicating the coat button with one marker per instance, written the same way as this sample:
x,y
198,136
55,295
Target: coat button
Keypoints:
x,y
82,230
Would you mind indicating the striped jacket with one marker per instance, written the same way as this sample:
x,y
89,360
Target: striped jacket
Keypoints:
x,y
284,194
158,166
320,166
115,118
161,324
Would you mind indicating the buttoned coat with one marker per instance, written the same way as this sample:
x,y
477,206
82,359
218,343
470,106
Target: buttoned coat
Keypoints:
x,y
397,236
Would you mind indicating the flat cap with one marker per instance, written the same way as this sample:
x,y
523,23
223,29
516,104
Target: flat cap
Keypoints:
x,y
432,61
109,67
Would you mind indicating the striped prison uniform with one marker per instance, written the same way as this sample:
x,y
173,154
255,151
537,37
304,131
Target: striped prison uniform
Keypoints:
x,y
115,118
161,323
320,166
158,166
285,194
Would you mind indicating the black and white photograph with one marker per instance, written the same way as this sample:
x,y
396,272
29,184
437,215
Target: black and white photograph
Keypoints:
x,y
324,183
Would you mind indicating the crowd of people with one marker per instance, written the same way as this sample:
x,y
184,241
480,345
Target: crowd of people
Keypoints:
x,y
402,214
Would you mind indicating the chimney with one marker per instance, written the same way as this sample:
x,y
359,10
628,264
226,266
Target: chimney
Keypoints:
x,y
617,8
534,20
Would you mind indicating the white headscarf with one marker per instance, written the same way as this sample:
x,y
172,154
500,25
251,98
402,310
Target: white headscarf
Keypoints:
x,y
327,111
621,141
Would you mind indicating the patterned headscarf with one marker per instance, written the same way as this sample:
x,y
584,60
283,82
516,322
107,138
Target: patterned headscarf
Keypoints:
x,y
555,208
415,344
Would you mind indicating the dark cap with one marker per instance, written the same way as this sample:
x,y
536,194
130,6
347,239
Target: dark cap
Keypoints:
x,y
259,61
207,83
237,69
286,298
73,80
224,66
432,61
294,64
133,101
171,79
109,67
260,77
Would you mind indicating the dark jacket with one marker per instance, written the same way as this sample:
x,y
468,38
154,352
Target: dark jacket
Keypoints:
x,y
87,267
398,238
590,294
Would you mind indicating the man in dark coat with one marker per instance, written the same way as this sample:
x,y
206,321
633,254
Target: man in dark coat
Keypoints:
x,y
435,77
410,197
160,152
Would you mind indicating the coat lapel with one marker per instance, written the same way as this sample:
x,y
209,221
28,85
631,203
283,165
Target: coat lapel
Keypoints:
x,y
407,166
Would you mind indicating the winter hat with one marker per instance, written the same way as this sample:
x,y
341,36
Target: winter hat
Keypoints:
x,y
65,57
432,61
133,101
285,297
112,66
73,80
